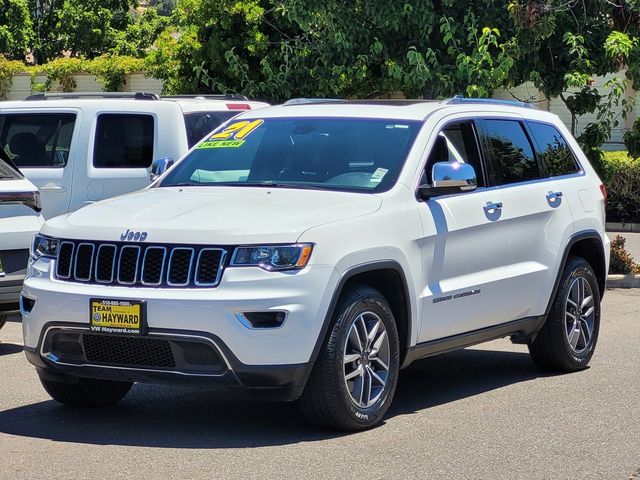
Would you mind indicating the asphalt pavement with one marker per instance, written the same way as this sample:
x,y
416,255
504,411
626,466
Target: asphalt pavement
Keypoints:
x,y
484,413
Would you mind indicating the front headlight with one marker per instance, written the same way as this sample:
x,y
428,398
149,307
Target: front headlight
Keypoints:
x,y
42,246
273,257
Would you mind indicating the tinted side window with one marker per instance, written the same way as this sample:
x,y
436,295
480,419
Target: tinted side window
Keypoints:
x,y
508,152
199,124
37,140
123,141
557,157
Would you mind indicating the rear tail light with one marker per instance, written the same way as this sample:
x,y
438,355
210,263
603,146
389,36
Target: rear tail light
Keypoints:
x,y
603,190
238,106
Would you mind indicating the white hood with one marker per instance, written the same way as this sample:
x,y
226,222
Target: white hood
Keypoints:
x,y
212,215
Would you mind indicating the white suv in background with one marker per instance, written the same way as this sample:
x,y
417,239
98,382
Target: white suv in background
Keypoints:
x,y
312,250
20,220
78,148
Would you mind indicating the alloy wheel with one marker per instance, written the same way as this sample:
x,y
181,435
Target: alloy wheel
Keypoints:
x,y
366,359
579,315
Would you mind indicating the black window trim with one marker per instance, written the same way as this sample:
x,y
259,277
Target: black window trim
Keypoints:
x,y
475,120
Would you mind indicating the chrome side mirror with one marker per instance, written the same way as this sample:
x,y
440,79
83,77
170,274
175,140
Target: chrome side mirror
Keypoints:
x,y
449,178
159,166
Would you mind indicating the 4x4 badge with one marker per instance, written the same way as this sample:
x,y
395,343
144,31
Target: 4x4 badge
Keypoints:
x,y
135,236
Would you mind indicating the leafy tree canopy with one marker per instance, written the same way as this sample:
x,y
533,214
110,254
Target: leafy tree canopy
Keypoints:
x,y
16,28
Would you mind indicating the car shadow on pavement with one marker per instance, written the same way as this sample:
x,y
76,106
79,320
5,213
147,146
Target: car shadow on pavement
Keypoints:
x,y
9,348
445,378
188,417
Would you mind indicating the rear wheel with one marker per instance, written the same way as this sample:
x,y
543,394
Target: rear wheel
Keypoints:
x,y
569,336
87,392
355,375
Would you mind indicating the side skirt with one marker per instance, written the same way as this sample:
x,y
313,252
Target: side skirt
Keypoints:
x,y
520,330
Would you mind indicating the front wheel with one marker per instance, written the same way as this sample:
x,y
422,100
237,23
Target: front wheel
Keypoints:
x,y
354,378
568,338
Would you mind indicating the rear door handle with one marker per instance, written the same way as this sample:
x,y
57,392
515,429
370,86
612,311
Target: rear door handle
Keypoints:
x,y
493,206
551,196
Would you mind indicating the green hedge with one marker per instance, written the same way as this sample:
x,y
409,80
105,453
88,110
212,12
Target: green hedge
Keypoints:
x,y
110,70
621,176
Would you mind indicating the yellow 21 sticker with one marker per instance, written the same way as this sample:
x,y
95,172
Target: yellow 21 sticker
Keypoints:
x,y
237,131
233,136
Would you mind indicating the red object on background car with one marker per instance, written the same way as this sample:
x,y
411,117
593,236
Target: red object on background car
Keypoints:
x,y
238,106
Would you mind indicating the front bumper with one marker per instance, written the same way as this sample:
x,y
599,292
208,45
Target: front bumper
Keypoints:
x,y
14,265
260,358
276,382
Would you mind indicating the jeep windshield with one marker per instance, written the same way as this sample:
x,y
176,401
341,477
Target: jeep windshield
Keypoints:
x,y
352,154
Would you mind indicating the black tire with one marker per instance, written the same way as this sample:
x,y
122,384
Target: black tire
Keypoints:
x,y
551,349
327,400
87,392
3,319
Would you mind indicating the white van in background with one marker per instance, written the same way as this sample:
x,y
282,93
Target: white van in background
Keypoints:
x,y
78,148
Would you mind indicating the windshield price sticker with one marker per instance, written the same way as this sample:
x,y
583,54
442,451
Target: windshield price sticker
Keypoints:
x,y
232,136
378,175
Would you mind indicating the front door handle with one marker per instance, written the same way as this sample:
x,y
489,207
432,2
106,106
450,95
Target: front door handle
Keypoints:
x,y
493,206
552,196
52,188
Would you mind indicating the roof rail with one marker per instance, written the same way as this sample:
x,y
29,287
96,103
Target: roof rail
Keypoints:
x,y
460,100
76,95
208,96
306,101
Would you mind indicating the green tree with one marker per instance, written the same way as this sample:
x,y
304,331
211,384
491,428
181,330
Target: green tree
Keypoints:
x,y
16,29
47,42
163,7
140,35
90,27
560,47
85,28
276,50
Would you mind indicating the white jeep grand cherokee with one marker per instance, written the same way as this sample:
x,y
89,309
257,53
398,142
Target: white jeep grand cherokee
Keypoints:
x,y
312,250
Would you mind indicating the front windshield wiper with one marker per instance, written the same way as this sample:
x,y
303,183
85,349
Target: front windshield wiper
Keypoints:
x,y
269,183
184,184
266,183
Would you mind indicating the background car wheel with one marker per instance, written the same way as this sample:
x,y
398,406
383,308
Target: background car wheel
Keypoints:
x,y
87,392
354,378
569,336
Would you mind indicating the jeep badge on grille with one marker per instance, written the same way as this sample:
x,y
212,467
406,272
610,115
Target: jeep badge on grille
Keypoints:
x,y
135,236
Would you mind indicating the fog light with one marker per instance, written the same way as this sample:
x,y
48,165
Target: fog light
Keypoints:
x,y
272,319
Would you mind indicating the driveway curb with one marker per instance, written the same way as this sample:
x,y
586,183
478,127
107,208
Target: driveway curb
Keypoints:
x,y
623,281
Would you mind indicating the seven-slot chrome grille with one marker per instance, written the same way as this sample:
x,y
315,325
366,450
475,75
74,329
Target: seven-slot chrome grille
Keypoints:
x,y
139,265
